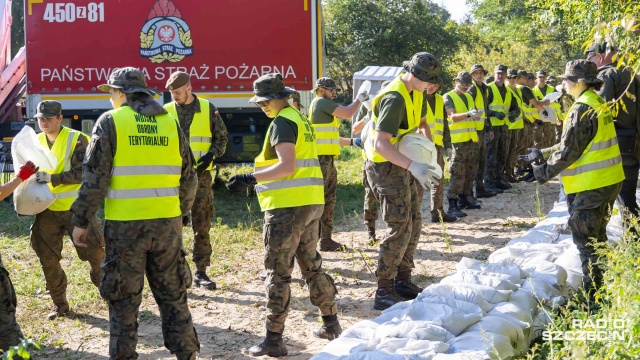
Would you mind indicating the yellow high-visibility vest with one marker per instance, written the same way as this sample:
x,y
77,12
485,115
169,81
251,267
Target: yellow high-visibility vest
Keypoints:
x,y
518,123
145,179
465,130
63,148
499,104
305,186
327,135
200,135
435,120
600,164
527,109
555,106
413,107
479,101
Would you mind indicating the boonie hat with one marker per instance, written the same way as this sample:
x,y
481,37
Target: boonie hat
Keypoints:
x,y
425,67
476,67
581,71
128,80
464,77
296,97
48,108
270,86
177,80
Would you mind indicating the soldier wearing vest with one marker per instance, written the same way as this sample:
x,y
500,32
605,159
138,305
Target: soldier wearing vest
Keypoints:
x,y
588,159
398,109
140,167
529,106
10,332
516,125
501,103
546,136
290,189
324,114
297,103
207,135
50,226
620,85
480,92
462,116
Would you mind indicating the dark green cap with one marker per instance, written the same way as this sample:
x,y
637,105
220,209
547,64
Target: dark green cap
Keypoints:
x,y
177,80
127,80
326,83
464,77
49,108
501,68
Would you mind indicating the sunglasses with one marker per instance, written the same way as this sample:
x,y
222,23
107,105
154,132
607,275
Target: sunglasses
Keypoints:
x,y
263,103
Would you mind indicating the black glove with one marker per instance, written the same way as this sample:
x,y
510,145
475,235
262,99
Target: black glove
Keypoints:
x,y
529,177
185,220
533,155
496,114
204,162
539,122
513,114
240,182
546,114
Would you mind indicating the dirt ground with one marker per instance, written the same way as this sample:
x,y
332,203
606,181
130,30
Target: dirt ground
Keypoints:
x,y
230,321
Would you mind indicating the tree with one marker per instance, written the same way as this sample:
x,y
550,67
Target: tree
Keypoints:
x,y
17,26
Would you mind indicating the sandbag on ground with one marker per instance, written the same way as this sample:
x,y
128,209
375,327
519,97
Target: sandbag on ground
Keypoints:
x,y
497,346
471,277
458,293
507,269
498,325
549,272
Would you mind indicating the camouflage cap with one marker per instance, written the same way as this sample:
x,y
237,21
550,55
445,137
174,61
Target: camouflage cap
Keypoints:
x,y
581,71
530,76
296,97
177,80
500,68
326,83
541,73
476,67
425,67
522,73
127,80
598,48
464,77
512,73
48,108
551,80
270,86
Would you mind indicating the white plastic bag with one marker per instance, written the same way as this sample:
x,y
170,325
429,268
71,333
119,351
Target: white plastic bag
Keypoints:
x,y
30,197
503,327
457,293
498,346
453,320
507,269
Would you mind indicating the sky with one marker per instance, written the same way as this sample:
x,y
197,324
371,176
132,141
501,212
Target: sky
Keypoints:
x,y
457,8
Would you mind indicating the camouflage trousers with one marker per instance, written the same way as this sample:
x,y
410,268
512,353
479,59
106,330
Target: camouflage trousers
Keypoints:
x,y
202,212
154,247
370,203
515,149
526,142
396,190
47,233
292,233
463,168
588,224
538,136
549,134
496,155
437,191
10,333
483,139
330,177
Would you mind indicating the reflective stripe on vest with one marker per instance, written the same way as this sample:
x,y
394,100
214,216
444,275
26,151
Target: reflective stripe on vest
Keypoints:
x,y
465,130
200,135
145,179
63,148
555,107
527,108
413,107
435,120
499,104
479,101
327,135
518,123
600,164
306,185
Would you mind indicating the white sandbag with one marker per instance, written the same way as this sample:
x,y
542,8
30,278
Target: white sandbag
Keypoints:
x,y
419,148
517,280
488,293
338,347
464,355
454,321
30,197
574,280
523,253
543,292
540,322
507,269
404,346
570,260
365,330
420,330
524,326
464,306
503,327
547,271
457,293
466,276
524,300
498,346
533,237
514,310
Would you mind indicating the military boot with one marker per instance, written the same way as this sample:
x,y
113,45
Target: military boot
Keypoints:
x,y
494,189
505,185
453,209
485,193
202,280
272,346
386,295
59,309
330,328
464,203
502,185
404,287
435,216
330,245
470,198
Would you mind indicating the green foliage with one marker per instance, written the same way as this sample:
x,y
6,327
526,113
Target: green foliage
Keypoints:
x,y
21,351
17,26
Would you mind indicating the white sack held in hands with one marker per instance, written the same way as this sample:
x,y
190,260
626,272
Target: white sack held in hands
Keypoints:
x,y
365,88
31,197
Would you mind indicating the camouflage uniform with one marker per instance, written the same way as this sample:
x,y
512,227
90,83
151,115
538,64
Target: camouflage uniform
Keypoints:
x,y
134,248
483,135
330,176
370,203
10,333
498,149
203,209
463,168
515,149
49,228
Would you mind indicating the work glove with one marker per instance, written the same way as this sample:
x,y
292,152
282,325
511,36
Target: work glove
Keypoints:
x,y
539,122
513,114
186,220
204,162
240,182
496,114
356,142
447,153
545,114
533,155
43,177
474,113
424,173
528,177
363,96
27,170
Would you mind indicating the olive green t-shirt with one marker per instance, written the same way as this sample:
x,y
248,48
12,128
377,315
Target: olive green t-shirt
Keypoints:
x,y
527,94
392,112
449,104
321,110
283,130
